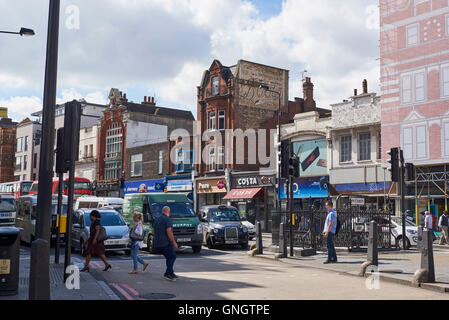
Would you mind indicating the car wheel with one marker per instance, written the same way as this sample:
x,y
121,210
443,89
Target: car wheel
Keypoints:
x,y
209,243
399,243
150,247
196,249
83,251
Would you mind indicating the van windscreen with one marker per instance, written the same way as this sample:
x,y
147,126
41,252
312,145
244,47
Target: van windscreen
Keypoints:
x,y
177,209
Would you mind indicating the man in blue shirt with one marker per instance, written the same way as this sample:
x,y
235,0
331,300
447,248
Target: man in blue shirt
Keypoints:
x,y
165,243
330,226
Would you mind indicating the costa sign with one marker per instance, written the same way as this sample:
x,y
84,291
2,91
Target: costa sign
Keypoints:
x,y
252,181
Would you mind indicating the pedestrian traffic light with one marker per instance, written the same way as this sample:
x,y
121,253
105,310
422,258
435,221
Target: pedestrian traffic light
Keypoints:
x,y
410,171
293,169
285,155
394,161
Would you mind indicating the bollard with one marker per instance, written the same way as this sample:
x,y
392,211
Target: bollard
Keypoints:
x,y
427,255
372,244
282,241
419,242
259,238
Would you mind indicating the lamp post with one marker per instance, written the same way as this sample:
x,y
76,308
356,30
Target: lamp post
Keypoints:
x,y
22,32
278,174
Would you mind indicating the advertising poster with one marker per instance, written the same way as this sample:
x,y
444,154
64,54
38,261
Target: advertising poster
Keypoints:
x,y
143,186
317,187
312,156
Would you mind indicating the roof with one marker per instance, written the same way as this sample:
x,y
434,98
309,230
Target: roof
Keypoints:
x,y
159,111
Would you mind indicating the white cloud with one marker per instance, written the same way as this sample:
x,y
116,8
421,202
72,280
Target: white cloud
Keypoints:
x,y
21,107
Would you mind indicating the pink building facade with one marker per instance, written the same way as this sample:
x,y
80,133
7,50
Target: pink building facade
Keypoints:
x,y
414,71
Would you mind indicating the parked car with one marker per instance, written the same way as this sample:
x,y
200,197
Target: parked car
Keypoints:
x,y
116,229
251,228
7,210
222,225
26,210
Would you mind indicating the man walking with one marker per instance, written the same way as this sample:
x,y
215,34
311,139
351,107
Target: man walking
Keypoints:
x,y
165,243
443,224
330,226
428,221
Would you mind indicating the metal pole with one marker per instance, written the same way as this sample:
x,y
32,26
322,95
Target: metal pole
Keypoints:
x,y
290,204
39,288
402,177
68,235
58,220
278,150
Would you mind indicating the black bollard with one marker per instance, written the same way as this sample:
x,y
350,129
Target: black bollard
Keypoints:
x,y
419,242
372,244
427,255
282,241
259,238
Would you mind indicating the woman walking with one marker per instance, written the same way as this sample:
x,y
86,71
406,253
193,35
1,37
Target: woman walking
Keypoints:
x,y
95,247
137,244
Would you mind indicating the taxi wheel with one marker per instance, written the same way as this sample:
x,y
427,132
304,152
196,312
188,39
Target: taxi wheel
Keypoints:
x,y
150,248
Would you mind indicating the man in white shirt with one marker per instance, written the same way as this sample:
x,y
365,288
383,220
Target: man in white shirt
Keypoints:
x,y
428,221
443,224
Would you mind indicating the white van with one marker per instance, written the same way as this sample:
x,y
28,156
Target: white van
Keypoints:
x,y
87,202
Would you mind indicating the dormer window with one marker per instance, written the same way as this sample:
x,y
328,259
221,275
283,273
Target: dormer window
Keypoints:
x,y
215,86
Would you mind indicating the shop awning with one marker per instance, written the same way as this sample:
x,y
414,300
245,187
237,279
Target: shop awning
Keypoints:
x,y
242,193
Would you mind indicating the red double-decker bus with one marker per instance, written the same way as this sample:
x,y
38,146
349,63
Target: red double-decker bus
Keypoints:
x,y
16,188
82,187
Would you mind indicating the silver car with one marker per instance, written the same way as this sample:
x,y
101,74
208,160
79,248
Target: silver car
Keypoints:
x,y
116,229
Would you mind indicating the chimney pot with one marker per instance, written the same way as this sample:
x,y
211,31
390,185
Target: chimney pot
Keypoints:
x,y
152,99
365,86
355,92
145,99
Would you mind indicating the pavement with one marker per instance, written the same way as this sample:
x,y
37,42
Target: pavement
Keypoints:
x,y
90,288
394,266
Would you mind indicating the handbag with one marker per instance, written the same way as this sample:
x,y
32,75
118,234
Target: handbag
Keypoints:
x,y
136,237
102,236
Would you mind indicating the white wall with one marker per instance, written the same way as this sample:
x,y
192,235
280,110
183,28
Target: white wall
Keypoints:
x,y
142,133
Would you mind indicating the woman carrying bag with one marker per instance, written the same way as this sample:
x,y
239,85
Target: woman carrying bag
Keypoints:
x,y
137,234
95,243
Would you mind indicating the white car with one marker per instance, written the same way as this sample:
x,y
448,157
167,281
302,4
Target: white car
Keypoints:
x,y
411,230
251,229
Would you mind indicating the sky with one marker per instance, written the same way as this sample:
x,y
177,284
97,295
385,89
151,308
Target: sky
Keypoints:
x,y
161,48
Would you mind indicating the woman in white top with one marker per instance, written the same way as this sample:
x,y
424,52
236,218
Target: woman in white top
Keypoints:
x,y
135,244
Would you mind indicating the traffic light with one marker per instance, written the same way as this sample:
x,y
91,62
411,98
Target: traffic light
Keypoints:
x,y
293,167
60,163
285,155
394,161
410,171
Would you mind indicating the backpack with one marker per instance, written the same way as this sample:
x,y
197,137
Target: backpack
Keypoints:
x,y
337,229
444,220
434,222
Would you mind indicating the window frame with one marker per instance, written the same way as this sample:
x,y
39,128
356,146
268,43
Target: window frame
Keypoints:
x,y
368,146
442,80
161,162
222,116
412,75
135,161
411,144
221,158
211,124
211,158
349,142
425,142
21,144
407,37
215,85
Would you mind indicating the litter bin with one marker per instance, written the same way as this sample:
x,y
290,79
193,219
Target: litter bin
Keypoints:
x,y
9,260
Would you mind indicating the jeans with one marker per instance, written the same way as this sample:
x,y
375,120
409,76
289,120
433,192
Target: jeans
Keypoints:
x,y
331,253
134,254
170,257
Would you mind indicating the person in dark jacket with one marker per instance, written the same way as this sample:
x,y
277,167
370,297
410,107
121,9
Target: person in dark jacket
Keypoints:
x,y
94,247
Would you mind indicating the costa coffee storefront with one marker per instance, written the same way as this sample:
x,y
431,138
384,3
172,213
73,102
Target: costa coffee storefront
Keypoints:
x,y
210,191
253,195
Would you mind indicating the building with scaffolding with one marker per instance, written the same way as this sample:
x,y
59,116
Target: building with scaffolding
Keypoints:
x,y
414,76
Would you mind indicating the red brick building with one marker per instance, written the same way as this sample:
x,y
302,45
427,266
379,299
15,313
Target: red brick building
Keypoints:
x,y
7,149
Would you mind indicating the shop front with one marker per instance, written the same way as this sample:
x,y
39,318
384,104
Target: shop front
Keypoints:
x,y
155,185
210,191
371,196
254,196
307,192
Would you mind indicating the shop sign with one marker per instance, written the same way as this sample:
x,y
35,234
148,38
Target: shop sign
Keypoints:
x,y
252,181
211,186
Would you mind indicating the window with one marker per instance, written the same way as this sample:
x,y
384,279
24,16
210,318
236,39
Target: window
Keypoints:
x,y
445,80
413,87
408,143
345,148
212,120
221,120
221,158
412,35
446,138
161,161
112,170
35,161
18,163
91,150
364,146
215,86
211,159
37,138
114,141
25,162
379,145
86,148
183,161
421,142
26,143
136,165
19,144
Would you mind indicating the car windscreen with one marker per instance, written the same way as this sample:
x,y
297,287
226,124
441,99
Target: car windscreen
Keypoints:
x,y
177,209
407,222
54,209
108,219
26,187
218,215
7,205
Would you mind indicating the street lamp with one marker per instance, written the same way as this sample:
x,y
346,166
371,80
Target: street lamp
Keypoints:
x,y
22,32
278,175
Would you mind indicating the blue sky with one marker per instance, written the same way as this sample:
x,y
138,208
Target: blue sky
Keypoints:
x,y
162,47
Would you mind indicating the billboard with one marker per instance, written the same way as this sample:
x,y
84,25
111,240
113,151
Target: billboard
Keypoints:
x,y
143,186
316,187
312,156
3,112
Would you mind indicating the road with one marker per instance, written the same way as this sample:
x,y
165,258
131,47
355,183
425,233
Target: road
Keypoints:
x,y
231,274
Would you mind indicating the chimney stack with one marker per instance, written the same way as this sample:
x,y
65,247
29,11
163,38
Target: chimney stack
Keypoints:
x,y
144,99
307,87
365,86
355,92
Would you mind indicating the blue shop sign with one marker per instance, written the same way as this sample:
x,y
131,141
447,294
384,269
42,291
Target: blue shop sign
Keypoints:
x,y
156,185
179,185
316,187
